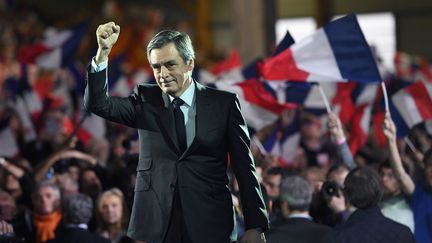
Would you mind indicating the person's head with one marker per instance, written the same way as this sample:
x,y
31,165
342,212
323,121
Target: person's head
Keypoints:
x,y
295,195
7,206
90,183
389,181
315,176
12,185
77,209
310,126
338,173
363,188
73,170
111,209
67,184
46,198
272,179
427,161
171,56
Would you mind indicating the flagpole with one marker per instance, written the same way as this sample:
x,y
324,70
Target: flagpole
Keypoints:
x,y
410,144
326,102
386,102
259,145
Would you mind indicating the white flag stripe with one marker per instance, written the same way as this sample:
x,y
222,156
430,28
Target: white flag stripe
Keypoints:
x,y
366,118
315,55
368,94
407,108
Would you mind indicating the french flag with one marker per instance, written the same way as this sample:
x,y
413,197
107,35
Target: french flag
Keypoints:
x,y
360,125
414,103
259,107
58,49
412,68
232,62
337,52
283,141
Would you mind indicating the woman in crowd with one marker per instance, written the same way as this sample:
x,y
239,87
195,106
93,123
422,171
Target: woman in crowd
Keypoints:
x,y
112,215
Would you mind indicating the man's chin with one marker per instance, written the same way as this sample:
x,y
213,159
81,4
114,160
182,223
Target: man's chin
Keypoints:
x,y
169,91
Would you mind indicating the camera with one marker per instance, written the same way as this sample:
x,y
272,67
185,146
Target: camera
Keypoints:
x,y
330,189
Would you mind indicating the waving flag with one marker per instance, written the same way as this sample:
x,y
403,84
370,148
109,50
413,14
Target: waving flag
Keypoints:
x,y
58,48
360,124
232,62
337,52
284,140
414,103
285,43
259,107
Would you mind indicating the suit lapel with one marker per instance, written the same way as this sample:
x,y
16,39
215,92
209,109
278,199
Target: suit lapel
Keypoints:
x,y
203,116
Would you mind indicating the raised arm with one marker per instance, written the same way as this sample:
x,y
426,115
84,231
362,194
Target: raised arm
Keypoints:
x,y
337,133
96,97
402,176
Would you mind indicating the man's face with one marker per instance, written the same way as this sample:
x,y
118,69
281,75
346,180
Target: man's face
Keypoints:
x,y
272,183
338,176
46,200
111,209
172,74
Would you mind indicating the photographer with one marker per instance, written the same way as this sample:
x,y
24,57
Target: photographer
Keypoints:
x,y
329,206
363,189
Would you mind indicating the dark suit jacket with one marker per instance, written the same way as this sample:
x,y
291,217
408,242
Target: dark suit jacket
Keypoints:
x,y
298,230
77,235
200,171
370,226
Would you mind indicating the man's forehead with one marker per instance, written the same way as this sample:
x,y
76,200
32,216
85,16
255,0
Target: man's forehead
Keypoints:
x,y
164,54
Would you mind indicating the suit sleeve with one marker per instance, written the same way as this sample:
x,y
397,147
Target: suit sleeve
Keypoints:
x,y
98,101
255,214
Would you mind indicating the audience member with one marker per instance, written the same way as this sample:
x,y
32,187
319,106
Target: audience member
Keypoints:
x,y
363,189
420,192
46,215
112,215
295,199
77,211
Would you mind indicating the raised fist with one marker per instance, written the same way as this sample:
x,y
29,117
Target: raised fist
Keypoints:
x,y
107,35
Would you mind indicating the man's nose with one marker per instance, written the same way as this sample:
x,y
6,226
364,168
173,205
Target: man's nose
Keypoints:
x,y
164,72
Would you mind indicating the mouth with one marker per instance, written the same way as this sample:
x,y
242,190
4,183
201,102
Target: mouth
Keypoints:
x,y
166,82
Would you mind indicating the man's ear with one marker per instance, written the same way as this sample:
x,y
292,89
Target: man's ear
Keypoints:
x,y
190,64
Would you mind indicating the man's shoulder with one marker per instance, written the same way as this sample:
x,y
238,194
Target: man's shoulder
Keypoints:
x,y
216,92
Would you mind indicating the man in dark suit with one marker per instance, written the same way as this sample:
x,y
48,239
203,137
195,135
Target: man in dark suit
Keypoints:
x,y
186,133
363,189
295,198
77,211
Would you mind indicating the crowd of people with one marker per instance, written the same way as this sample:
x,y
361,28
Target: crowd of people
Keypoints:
x,y
60,184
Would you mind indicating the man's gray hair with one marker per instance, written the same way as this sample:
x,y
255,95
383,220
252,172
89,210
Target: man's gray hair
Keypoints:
x,y
77,209
49,184
297,192
181,41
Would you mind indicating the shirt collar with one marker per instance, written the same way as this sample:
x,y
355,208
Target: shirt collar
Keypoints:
x,y
300,215
81,226
188,95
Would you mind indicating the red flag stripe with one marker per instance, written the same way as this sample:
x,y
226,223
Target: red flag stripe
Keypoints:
x,y
422,99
